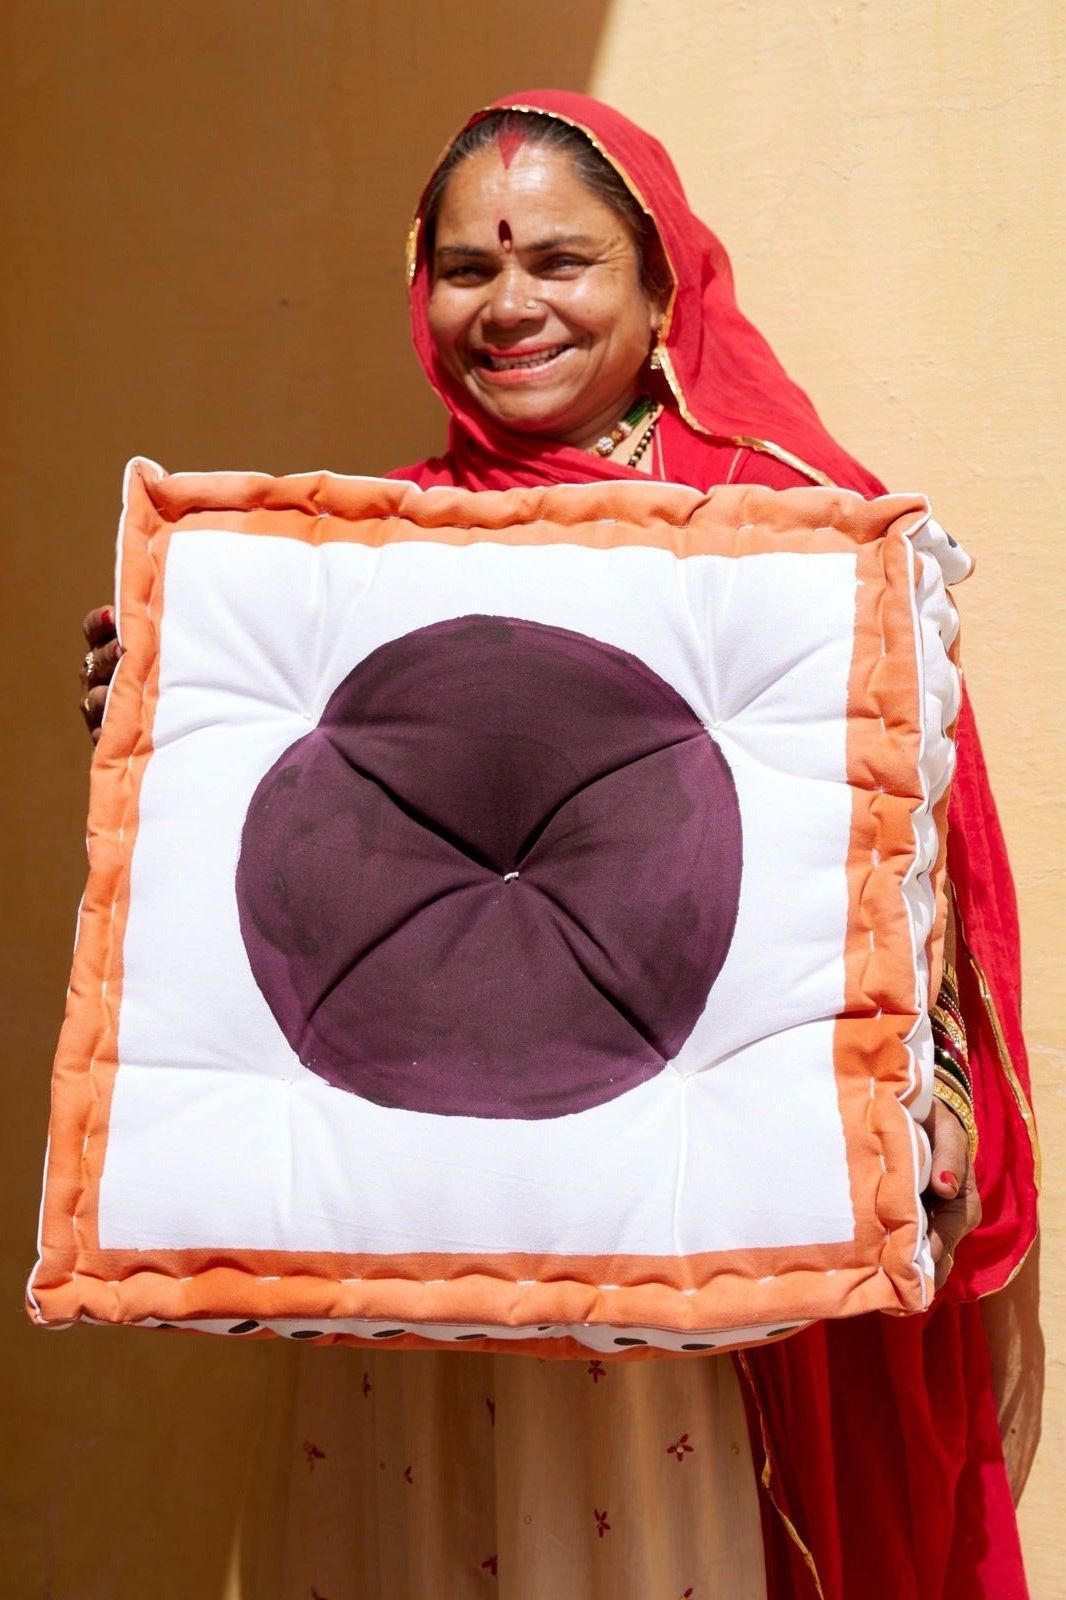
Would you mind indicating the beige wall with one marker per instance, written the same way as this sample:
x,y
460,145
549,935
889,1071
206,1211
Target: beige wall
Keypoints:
x,y
207,205
891,181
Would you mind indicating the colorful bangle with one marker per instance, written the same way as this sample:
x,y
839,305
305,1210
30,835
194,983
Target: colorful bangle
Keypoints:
x,y
948,1041
945,1066
944,1023
950,1023
949,976
948,999
957,1102
949,990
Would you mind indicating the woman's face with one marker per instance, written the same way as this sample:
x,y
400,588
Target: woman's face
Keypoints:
x,y
537,307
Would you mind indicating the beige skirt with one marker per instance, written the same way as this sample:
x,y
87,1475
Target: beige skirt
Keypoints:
x,y
456,1476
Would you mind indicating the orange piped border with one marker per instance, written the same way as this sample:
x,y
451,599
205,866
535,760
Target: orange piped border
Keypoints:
x,y
875,1270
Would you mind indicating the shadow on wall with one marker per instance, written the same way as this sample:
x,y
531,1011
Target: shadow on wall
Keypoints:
x,y
207,217
216,197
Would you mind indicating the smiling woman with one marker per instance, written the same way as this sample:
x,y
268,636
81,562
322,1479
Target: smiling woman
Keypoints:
x,y
555,233
571,311
548,284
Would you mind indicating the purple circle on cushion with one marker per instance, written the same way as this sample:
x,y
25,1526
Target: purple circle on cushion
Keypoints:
x,y
498,879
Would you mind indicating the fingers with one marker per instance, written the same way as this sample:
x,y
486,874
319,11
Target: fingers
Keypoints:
x,y
949,1224
950,1151
104,661
98,665
98,626
954,1204
92,709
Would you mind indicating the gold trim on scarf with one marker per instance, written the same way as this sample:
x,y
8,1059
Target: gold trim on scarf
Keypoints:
x,y
765,446
767,1474
1010,1072
1025,1110
1014,1271
411,251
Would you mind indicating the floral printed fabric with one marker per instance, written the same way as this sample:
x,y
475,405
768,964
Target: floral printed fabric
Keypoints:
x,y
464,1477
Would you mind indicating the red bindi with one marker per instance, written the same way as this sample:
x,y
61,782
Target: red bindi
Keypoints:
x,y
510,143
503,228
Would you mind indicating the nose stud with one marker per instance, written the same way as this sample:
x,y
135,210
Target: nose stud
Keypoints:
x,y
531,305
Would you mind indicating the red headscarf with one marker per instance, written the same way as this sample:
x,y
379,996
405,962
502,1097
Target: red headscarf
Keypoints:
x,y
729,389
915,1472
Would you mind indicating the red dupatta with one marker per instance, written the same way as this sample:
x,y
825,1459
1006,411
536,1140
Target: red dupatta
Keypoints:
x,y
728,389
875,1434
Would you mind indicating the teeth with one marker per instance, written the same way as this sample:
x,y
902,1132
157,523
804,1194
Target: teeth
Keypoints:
x,y
505,363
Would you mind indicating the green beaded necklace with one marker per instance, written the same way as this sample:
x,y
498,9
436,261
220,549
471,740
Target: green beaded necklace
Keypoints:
x,y
636,414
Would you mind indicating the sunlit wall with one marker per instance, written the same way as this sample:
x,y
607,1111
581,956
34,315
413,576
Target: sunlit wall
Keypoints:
x,y
206,206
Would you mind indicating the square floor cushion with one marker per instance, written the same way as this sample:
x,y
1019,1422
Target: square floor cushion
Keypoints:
x,y
510,918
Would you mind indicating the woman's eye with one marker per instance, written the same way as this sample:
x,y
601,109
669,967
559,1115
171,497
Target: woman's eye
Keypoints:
x,y
468,273
562,264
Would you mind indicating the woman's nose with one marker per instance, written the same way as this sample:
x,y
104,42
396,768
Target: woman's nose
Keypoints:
x,y
513,299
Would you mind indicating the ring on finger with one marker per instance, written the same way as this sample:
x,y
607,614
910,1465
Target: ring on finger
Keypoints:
x,y
88,666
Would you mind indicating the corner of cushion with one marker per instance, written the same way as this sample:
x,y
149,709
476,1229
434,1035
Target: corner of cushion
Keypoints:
x,y
140,486
53,1297
911,513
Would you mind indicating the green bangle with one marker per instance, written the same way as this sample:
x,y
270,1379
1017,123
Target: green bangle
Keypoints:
x,y
945,1063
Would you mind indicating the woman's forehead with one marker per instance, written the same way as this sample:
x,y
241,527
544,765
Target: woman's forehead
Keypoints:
x,y
536,192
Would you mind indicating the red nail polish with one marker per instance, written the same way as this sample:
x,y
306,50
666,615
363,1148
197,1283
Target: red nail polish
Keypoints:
x,y
107,617
949,1177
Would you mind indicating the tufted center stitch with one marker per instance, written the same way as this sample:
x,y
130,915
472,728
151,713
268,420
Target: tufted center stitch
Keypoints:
x,y
498,879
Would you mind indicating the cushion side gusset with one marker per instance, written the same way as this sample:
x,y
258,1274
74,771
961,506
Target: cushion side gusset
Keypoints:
x,y
935,630
733,1300
941,642
934,643
559,1348
87,1051
872,1056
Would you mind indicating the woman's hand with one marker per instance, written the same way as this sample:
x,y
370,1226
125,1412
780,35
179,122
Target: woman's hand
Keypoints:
x,y
952,1200
98,665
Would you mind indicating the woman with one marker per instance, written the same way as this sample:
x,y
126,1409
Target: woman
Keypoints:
x,y
579,323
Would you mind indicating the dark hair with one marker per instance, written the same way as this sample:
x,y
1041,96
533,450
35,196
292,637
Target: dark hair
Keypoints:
x,y
594,170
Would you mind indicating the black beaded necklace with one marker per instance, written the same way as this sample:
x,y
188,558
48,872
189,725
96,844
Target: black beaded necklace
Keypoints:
x,y
646,439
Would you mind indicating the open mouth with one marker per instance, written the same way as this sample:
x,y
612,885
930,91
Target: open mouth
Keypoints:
x,y
528,361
